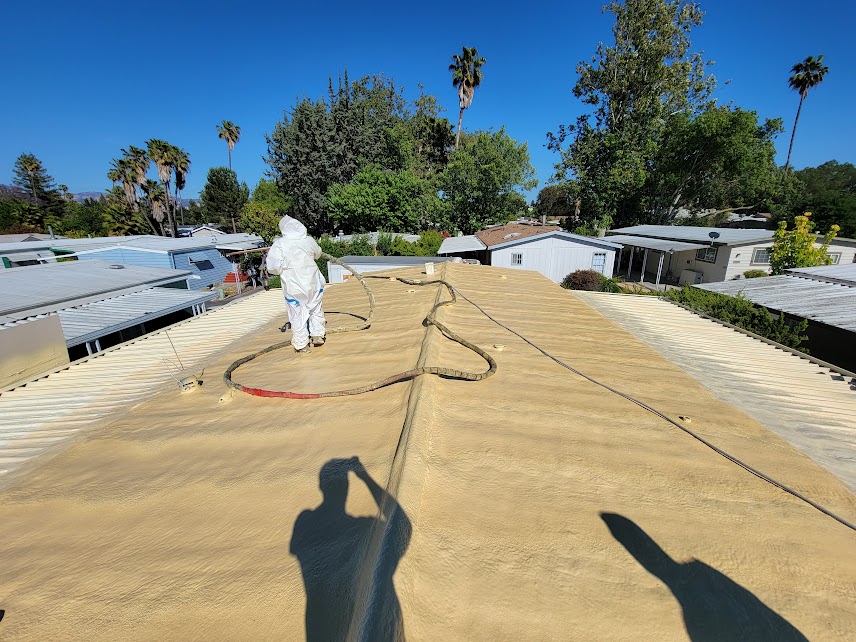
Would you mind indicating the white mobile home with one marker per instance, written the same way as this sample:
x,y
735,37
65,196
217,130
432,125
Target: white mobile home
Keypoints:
x,y
686,254
548,250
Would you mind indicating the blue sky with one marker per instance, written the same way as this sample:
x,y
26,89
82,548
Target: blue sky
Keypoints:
x,y
84,79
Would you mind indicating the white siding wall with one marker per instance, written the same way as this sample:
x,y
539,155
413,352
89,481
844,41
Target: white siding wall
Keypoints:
x,y
741,257
554,257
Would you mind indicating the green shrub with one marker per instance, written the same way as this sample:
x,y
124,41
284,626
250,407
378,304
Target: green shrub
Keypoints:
x,y
743,313
587,280
609,285
274,282
754,274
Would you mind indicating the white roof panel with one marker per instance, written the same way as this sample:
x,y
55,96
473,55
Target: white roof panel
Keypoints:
x,y
727,235
26,291
661,245
469,243
844,273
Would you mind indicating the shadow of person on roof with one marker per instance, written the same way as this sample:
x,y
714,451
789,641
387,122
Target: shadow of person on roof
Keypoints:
x,y
348,562
714,606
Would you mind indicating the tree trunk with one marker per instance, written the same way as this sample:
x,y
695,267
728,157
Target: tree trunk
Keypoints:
x,y
230,157
151,223
458,135
234,228
793,133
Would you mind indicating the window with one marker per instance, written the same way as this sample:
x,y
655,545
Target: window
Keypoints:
x,y
516,259
835,256
598,262
761,256
706,254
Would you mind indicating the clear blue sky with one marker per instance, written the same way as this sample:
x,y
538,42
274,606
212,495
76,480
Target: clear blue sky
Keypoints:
x,y
83,79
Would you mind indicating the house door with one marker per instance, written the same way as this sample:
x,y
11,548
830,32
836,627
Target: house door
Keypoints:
x,y
598,262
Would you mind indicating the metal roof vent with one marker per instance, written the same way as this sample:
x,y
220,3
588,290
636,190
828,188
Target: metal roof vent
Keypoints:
x,y
512,235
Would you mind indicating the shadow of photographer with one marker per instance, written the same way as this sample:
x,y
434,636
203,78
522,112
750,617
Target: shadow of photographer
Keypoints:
x,y
348,562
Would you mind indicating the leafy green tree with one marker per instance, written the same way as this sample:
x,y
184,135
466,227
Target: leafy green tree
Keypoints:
x,y
636,87
262,213
479,184
466,76
806,75
231,133
829,191
223,197
322,143
379,199
795,248
555,201
721,160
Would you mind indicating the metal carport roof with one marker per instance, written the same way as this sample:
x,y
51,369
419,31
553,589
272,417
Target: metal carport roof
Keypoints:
x,y
661,245
94,320
809,298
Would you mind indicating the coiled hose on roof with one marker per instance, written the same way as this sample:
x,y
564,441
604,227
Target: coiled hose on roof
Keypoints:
x,y
471,376
430,319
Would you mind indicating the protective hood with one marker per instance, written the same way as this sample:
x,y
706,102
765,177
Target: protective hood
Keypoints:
x,y
291,228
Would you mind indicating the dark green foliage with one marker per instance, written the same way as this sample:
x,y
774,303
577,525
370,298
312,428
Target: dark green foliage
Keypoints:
x,y
587,280
397,201
555,201
755,274
321,143
480,182
223,197
743,313
829,193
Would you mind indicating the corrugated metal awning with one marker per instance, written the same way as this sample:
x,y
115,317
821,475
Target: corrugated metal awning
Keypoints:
x,y
828,303
661,245
93,320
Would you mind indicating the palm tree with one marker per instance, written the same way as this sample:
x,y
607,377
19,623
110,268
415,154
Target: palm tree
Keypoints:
x,y
231,133
125,170
806,75
158,201
164,157
466,76
182,167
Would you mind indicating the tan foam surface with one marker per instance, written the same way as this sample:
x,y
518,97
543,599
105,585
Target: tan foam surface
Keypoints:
x,y
531,504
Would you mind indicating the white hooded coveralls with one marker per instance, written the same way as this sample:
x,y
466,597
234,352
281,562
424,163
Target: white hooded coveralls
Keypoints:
x,y
292,256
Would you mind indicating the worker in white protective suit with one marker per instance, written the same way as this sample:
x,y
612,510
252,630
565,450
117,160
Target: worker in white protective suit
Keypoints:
x,y
293,256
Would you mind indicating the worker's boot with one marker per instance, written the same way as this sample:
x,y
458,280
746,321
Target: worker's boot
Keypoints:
x,y
304,350
317,342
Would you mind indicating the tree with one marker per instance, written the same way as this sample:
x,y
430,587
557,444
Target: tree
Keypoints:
x,y
231,133
182,168
379,199
720,160
556,201
165,157
466,76
829,191
30,174
805,75
223,197
322,143
480,182
795,248
262,213
636,87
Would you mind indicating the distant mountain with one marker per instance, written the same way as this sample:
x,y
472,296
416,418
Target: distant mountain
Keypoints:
x,y
82,196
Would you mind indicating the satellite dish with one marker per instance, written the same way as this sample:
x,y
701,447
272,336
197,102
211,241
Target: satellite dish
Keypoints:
x,y
714,235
